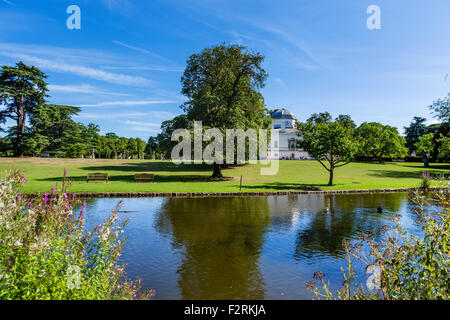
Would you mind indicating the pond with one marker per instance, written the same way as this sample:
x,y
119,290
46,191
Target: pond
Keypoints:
x,y
264,247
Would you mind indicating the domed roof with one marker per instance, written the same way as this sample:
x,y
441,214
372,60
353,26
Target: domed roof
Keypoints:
x,y
283,114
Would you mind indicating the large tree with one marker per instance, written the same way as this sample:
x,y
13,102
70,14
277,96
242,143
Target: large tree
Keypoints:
x,y
416,129
332,143
222,86
22,90
53,123
380,141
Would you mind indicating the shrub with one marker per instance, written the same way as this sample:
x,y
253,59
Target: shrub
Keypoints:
x,y
46,253
400,265
425,180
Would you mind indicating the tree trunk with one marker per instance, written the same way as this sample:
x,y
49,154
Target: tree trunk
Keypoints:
x,y
217,171
425,160
330,182
20,129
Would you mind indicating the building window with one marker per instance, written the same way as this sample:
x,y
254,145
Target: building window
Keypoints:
x,y
277,126
292,144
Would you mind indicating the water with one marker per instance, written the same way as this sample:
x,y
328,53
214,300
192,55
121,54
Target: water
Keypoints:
x,y
263,247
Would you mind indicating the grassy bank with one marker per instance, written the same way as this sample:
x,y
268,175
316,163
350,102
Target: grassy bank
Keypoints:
x,y
42,174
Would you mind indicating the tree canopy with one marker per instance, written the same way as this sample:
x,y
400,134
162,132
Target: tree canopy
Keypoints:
x,y
380,141
222,86
416,129
332,143
22,90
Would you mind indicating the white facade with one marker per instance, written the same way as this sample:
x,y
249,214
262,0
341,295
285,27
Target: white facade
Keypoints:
x,y
285,148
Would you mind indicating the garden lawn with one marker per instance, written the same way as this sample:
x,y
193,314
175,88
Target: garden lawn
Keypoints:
x,y
44,173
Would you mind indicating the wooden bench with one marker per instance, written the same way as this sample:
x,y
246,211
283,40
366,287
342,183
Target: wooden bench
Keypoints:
x,y
144,177
97,177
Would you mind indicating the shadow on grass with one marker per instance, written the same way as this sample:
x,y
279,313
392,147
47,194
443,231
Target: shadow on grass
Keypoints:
x,y
152,167
286,186
437,166
435,171
130,178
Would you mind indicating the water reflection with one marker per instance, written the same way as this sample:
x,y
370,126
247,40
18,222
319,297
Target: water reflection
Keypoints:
x,y
222,240
245,247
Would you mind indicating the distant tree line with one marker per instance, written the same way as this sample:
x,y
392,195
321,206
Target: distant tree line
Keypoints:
x,y
335,143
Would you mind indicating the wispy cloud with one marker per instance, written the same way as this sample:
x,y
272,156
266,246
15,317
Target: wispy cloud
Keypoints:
x,y
9,2
143,51
126,103
83,88
81,70
146,68
160,115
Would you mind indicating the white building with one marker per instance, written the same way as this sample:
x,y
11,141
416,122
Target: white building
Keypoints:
x,y
285,148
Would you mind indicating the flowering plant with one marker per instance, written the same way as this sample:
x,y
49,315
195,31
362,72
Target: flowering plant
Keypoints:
x,y
46,253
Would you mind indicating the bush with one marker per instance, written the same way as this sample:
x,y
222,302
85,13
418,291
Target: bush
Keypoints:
x,y
400,265
425,180
46,253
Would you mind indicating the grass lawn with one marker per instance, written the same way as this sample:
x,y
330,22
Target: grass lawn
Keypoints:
x,y
43,173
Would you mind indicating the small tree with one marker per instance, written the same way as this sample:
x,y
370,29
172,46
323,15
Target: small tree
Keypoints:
x,y
425,146
331,142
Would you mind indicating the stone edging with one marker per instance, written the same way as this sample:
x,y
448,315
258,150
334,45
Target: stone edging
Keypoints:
x,y
227,194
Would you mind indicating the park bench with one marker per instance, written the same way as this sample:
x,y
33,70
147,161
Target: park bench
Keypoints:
x,y
144,177
97,177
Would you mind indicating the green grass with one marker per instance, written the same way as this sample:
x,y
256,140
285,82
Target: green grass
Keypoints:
x,y
42,174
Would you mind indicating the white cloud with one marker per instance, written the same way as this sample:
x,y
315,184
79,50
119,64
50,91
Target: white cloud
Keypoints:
x,y
147,68
70,60
161,115
83,88
81,70
126,103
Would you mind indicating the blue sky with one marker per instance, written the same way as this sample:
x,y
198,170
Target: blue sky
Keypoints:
x,y
124,66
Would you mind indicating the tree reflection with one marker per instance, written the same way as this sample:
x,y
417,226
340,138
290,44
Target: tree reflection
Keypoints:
x,y
221,241
324,227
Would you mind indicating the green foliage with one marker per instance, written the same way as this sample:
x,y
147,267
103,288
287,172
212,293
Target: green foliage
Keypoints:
x,y
327,141
425,180
441,109
46,253
444,149
222,86
425,144
22,90
403,267
414,131
380,141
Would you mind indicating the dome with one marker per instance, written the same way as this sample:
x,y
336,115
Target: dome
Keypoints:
x,y
283,114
